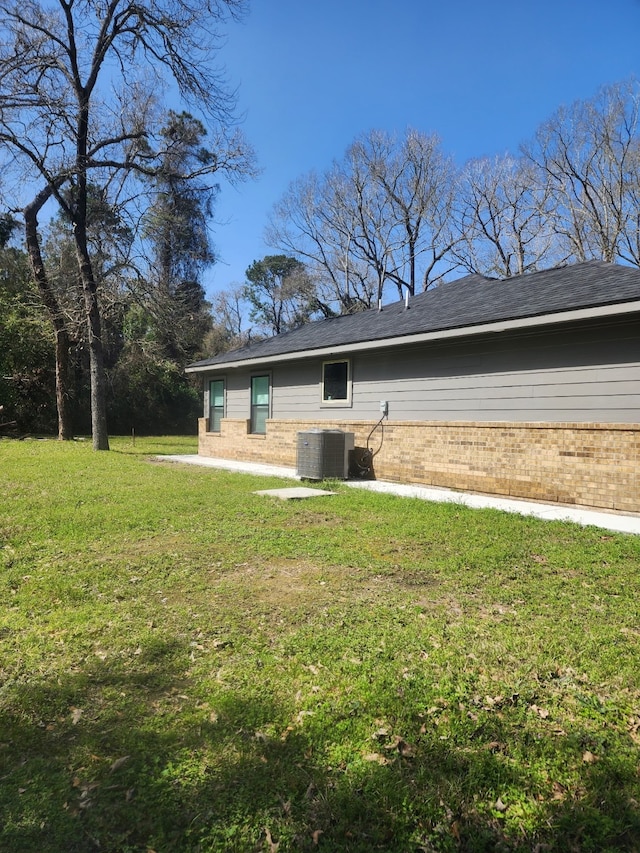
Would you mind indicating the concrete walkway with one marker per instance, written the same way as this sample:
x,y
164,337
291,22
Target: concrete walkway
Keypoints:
x,y
616,521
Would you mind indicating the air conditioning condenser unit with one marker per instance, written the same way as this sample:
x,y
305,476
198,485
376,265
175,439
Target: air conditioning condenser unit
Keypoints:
x,y
323,454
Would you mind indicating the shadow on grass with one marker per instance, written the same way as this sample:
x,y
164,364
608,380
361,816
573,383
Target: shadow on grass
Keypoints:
x,y
124,759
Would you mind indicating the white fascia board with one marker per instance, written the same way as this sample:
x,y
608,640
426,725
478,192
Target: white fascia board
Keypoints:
x,y
602,311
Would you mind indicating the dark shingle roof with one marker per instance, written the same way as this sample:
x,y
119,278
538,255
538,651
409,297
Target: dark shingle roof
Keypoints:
x,y
469,301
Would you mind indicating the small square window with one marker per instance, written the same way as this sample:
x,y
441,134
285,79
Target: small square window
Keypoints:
x,y
336,382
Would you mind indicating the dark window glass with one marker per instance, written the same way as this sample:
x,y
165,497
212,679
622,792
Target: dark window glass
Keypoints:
x,y
335,381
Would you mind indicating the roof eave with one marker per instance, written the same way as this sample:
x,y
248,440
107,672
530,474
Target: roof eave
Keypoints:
x,y
598,312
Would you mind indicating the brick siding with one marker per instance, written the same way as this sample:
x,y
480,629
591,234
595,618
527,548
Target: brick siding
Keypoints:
x,y
586,464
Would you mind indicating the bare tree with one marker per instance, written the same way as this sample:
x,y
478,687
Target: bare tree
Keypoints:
x,y
503,216
629,248
79,86
589,154
416,181
379,217
311,222
360,199
229,329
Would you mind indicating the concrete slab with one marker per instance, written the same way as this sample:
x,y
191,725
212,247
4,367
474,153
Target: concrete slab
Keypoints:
x,y
294,493
234,465
553,512
616,521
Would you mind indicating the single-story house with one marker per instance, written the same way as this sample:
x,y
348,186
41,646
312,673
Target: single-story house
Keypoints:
x,y
528,387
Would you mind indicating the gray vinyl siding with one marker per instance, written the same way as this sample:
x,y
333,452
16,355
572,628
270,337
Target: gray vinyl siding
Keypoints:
x,y
583,377
582,374
239,393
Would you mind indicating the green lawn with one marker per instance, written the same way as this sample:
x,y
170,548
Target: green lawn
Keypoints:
x,y
186,666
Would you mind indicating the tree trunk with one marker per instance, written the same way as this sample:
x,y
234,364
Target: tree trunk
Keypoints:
x,y
63,385
412,266
99,431
63,341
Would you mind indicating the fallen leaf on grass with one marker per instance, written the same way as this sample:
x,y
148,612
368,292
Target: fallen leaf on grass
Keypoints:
x,y
299,719
375,757
316,836
117,764
541,712
499,806
273,845
76,715
286,806
405,749
559,791
382,732
588,757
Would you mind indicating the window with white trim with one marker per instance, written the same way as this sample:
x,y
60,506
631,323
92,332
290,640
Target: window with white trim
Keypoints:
x,y
259,404
336,383
216,404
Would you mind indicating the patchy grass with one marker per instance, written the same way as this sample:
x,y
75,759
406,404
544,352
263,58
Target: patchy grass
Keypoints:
x,y
186,666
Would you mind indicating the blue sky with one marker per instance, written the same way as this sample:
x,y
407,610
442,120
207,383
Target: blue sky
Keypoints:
x,y
314,75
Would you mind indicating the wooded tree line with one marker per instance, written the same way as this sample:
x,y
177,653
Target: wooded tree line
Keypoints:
x,y
150,328
396,214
